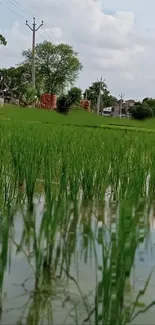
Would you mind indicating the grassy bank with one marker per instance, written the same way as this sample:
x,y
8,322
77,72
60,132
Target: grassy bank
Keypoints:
x,y
51,117
80,118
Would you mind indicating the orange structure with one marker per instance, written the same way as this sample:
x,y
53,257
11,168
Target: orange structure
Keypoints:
x,y
48,101
85,104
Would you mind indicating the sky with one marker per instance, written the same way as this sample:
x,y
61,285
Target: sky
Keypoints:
x,y
115,39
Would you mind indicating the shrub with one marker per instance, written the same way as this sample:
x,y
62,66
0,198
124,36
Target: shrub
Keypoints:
x,y
69,100
63,104
141,111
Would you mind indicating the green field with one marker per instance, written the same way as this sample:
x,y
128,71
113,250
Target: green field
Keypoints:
x,y
76,197
73,118
87,155
77,159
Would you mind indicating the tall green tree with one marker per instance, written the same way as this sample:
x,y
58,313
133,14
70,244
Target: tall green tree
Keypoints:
x,y
74,95
106,98
58,66
16,79
151,103
92,92
3,40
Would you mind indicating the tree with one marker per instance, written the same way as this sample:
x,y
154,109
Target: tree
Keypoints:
x,y
141,111
62,104
56,65
151,103
30,96
67,101
93,91
16,79
74,95
3,40
106,98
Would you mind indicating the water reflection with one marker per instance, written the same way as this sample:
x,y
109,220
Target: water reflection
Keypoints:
x,y
77,262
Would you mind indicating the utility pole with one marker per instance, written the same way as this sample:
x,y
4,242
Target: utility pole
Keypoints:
x,y
99,97
121,104
34,30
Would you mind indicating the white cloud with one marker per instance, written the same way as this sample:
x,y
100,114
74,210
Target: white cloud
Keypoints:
x,y
108,45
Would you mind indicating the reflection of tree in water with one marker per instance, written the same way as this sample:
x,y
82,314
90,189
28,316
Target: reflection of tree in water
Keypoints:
x,y
48,251
6,227
114,302
50,248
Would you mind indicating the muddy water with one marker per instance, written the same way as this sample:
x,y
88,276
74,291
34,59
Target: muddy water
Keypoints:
x,y
53,280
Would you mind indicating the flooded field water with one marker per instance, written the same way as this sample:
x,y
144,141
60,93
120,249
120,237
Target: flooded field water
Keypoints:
x,y
78,262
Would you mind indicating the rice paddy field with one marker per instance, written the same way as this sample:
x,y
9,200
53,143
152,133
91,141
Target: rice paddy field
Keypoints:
x,y
77,219
78,118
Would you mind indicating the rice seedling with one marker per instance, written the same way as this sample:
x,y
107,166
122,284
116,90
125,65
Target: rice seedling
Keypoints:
x,y
78,168
114,303
71,163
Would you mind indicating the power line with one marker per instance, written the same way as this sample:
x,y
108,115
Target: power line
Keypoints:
x,y
12,10
28,11
121,104
99,96
41,35
16,13
25,10
47,32
34,30
13,4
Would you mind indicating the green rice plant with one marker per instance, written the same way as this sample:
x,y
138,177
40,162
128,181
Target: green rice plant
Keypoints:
x,y
113,303
72,163
5,227
77,164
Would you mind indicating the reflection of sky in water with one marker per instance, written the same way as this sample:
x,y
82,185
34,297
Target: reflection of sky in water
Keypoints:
x,y
83,270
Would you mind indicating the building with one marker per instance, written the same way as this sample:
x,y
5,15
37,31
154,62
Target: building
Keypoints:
x,y
107,111
129,103
124,111
120,108
116,110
